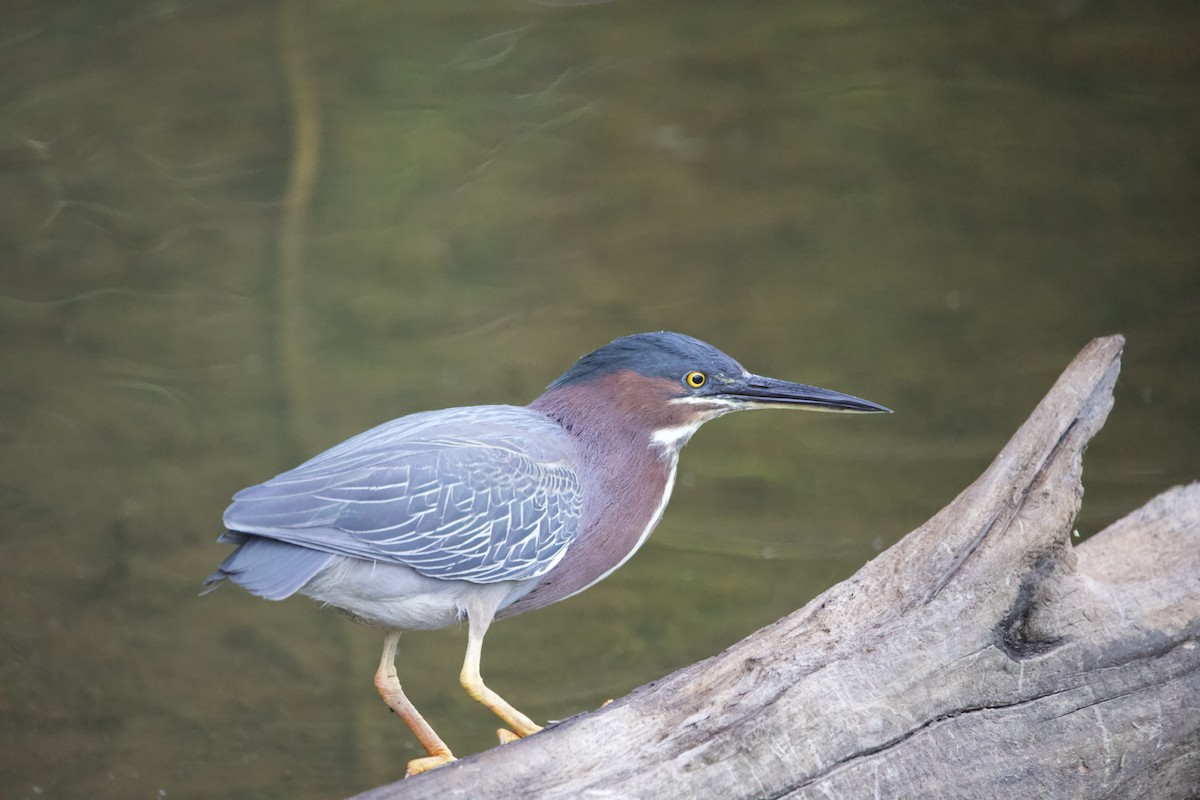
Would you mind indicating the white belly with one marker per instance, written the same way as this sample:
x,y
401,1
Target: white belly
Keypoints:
x,y
397,597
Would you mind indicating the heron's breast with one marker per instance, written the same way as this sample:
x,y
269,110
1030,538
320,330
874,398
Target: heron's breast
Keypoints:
x,y
620,509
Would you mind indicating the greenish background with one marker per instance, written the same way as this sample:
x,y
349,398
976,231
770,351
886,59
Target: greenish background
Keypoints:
x,y
933,205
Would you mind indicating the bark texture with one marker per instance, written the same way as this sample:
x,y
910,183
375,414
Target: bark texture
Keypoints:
x,y
981,656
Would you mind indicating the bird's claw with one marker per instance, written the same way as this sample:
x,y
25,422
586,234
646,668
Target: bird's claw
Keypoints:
x,y
521,731
419,765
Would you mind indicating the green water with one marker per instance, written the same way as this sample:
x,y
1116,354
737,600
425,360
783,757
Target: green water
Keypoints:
x,y
931,205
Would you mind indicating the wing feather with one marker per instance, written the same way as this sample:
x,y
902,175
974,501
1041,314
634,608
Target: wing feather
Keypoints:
x,y
485,494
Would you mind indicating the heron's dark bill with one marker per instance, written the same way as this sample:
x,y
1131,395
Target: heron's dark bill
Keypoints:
x,y
762,392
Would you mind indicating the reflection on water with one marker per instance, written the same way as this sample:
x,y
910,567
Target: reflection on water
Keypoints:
x,y
926,205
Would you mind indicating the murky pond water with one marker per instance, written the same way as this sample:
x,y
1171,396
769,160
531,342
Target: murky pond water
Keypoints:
x,y
233,234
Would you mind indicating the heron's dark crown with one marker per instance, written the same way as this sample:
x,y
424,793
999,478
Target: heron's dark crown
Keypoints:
x,y
663,355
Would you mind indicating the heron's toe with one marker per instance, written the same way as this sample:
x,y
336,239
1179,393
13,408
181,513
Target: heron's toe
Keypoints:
x,y
505,735
419,765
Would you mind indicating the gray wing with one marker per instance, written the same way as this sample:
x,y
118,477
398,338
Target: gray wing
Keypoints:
x,y
483,494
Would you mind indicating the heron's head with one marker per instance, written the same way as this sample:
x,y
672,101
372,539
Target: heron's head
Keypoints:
x,y
671,384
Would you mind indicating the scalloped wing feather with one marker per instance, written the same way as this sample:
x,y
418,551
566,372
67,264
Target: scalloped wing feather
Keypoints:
x,y
483,494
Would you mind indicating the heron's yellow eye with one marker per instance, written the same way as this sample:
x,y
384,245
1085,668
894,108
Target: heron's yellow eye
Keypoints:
x,y
695,379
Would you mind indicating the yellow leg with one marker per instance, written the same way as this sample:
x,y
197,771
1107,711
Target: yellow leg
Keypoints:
x,y
388,685
472,681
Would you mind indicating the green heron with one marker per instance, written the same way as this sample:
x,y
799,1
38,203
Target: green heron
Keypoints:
x,y
488,511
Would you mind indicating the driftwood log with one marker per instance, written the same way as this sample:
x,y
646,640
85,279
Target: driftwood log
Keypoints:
x,y
982,656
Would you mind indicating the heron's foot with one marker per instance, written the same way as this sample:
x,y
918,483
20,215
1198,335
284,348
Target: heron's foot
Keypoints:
x,y
505,735
419,765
